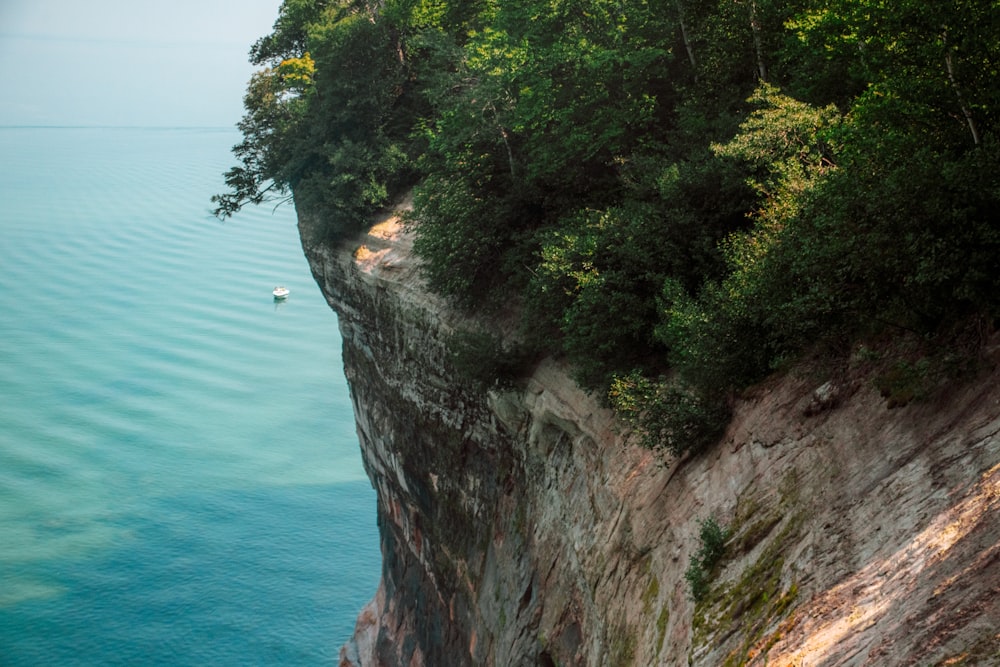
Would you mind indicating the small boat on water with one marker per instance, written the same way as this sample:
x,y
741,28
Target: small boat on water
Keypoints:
x,y
280,292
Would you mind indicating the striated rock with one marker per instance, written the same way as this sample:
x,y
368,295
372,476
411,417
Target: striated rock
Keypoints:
x,y
521,528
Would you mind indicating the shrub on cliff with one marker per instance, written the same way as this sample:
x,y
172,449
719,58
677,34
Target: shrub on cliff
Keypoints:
x,y
855,233
667,415
710,552
482,358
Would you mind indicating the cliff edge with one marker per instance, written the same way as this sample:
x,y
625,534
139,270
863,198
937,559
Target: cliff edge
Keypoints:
x,y
522,528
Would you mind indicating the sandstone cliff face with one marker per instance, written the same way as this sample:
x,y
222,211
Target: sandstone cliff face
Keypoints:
x,y
521,528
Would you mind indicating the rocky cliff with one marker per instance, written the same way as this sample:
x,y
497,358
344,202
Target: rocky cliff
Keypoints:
x,y
521,528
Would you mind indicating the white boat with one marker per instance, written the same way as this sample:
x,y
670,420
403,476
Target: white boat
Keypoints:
x,y
280,292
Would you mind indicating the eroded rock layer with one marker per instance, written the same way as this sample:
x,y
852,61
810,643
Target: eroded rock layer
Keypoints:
x,y
521,528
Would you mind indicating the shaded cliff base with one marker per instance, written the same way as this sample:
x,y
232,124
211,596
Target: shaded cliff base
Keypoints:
x,y
522,528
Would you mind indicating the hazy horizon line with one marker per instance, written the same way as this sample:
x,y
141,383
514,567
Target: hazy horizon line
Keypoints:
x,y
63,126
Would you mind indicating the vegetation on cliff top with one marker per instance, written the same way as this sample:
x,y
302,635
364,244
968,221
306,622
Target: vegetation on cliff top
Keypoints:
x,y
698,190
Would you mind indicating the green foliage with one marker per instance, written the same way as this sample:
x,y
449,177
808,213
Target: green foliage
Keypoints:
x,y
736,330
911,234
698,581
713,543
481,358
710,552
785,145
469,263
904,382
289,37
694,190
667,415
857,228
593,284
716,340
321,117
598,273
269,153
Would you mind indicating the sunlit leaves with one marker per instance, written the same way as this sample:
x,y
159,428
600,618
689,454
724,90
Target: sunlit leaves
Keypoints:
x,y
787,145
297,73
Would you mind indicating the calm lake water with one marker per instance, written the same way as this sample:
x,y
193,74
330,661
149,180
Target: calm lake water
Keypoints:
x,y
180,481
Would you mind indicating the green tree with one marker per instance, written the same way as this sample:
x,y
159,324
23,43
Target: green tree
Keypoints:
x,y
318,116
936,59
270,156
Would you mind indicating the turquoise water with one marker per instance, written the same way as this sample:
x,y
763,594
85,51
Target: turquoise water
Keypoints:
x,y
180,482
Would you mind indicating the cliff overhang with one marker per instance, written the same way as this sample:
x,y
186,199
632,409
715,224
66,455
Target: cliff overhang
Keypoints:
x,y
522,527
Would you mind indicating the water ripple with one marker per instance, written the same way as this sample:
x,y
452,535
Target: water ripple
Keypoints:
x,y
177,454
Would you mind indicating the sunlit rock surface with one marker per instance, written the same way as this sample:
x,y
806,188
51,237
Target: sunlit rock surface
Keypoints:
x,y
521,528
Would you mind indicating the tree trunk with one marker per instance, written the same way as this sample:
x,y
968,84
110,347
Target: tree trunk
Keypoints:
x,y
686,38
757,42
966,111
504,136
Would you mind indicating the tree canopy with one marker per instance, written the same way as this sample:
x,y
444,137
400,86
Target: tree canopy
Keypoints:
x,y
693,190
